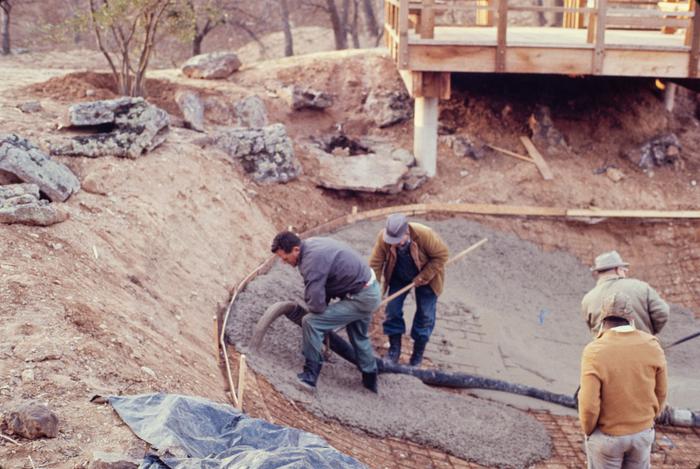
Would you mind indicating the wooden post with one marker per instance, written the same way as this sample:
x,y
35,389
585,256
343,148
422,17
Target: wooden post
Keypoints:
x,y
670,96
425,125
694,44
427,20
403,34
242,368
484,17
501,35
599,49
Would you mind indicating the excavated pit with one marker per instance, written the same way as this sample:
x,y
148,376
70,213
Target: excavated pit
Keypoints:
x,y
510,311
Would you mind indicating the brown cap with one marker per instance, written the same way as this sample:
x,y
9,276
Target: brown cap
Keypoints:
x,y
617,305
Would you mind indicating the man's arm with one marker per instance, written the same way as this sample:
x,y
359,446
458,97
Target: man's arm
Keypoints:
x,y
315,275
587,316
661,388
589,395
378,256
438,254
658,311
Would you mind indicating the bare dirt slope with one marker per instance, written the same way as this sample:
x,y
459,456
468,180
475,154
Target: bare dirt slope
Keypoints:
x,y
120,298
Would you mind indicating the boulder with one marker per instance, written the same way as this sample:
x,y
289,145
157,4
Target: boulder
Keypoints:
x,y
20,203
267,153
464,146
251,112
30,106
30,420
414,178
102,460
305,98
366,173
388,107
219,64
544,134
29,164
134,127
192,109
661,150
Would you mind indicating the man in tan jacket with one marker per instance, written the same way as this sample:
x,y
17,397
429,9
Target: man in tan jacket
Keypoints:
x,y
650,312
623,388
409,252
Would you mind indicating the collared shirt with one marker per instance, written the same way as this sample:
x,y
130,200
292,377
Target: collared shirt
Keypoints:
x,y
331,269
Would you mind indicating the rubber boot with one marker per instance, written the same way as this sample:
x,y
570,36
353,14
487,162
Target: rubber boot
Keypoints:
x,y
369,380
417,355
308,377
394,348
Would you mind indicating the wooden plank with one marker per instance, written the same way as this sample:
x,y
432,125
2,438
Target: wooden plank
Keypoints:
x,y
242,370
606,213
537,158
599,54
648,23
694,45
511,153
501,35
484,13
427,22
688,39
403,34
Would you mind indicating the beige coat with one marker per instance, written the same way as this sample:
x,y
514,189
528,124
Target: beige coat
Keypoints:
x,y
428,251
650,311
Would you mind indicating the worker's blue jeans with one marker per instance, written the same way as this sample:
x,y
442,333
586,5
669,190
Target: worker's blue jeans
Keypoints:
x,y
424,319
354,312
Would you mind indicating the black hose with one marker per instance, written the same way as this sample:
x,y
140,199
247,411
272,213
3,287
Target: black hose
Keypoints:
x,y
440,378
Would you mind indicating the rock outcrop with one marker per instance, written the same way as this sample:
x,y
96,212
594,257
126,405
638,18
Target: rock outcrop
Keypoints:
x,y
305,98
29,164
20,203
192,109
219,64
251,112
127,127
387,108
267,153
661,150
30,420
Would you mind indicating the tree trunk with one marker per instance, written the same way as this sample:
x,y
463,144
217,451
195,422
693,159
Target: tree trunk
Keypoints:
x,y
370,18
286,27
354,28
341,40
197,43
6,8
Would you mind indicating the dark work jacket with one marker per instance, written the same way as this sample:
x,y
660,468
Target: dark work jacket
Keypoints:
x,y
331,269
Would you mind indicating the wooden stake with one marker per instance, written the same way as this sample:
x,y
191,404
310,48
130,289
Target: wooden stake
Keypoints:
x,y
511,153
537,158
242,368
4,437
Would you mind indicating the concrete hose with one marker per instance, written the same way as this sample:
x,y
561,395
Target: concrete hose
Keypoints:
x,y
432,377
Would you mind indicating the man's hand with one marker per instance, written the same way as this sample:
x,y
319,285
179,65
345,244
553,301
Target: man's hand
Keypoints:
x,y
419,281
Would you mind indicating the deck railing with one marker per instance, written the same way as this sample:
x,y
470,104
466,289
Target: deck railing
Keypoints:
x,y
416,19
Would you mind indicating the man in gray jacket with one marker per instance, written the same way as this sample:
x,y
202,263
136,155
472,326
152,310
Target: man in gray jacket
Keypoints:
x,y
332,269
650,312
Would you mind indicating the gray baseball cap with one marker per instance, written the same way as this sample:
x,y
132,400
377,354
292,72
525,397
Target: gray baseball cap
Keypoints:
x,y
608,260
396,227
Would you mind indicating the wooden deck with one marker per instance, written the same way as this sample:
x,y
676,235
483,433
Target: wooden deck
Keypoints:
x,y
645,41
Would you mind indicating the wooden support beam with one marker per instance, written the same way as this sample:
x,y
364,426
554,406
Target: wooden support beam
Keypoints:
x,y
427,84
403,34
694,44
537,158
501,35
599,51
427,22
670,96
484,17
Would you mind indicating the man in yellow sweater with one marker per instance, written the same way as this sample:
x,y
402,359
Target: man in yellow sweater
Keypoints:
x,y
623,388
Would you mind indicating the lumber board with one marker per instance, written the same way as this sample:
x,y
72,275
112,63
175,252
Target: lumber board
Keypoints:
x,y
607,213
537,158
511,153
502,35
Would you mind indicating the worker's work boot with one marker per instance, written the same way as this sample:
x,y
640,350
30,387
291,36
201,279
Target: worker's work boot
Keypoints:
x,y
308,377
369,380
417,355
394,348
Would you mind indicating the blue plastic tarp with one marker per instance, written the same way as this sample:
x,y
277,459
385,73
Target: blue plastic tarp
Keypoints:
x,y
191,432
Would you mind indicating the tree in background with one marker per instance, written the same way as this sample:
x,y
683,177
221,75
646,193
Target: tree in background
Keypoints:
x,y
344,20
287,29
5,8
126,31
